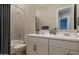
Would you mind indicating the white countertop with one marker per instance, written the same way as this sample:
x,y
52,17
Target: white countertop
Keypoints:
x,y
56,37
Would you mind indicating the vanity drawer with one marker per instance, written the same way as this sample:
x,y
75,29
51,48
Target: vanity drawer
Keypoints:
x,y
65,44
37,39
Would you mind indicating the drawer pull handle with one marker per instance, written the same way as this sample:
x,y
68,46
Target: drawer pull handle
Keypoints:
x,y
68,53
34,47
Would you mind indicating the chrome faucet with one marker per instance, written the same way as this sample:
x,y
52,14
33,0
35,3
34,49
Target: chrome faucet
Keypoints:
x,y
67,34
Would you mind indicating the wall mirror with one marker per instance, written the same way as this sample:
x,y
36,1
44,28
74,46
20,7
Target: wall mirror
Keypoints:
x,y
49,15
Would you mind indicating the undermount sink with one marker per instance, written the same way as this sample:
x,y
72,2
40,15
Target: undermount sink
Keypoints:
x,y
66,36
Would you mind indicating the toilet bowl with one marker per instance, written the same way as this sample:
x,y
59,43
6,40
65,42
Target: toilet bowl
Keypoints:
x,y
20,49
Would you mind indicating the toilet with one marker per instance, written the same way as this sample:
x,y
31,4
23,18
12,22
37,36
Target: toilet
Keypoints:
x,y
20,49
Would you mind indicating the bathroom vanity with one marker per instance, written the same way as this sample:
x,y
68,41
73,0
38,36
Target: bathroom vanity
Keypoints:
x,y
49,44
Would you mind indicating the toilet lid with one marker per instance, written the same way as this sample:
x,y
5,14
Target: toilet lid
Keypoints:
x,y
19,46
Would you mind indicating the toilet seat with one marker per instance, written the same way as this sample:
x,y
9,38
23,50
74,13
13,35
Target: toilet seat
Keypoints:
x,y
20,47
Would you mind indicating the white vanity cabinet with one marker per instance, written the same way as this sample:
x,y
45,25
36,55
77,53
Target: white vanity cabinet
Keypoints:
x,y
47,45
37,46
59,47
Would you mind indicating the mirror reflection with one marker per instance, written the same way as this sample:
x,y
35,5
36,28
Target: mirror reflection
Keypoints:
x,y
55,16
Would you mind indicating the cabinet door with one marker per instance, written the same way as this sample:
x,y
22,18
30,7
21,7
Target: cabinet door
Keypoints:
x,y
35,48
57,51
74,52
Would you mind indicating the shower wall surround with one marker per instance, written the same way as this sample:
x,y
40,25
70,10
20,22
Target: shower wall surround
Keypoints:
x,y
22,21
17,22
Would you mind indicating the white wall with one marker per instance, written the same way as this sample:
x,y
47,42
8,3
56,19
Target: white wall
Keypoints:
x,y
30,13
47,14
